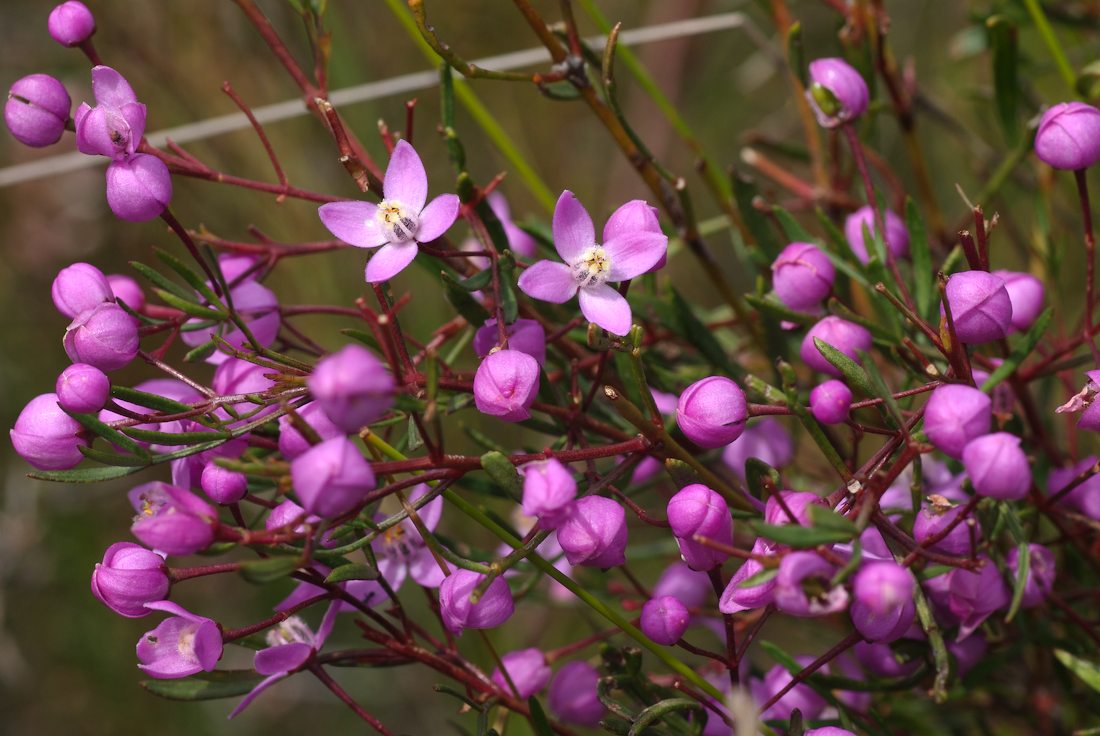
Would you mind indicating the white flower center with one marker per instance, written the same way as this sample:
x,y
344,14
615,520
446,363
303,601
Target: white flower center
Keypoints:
x,y
185,645
592,267
292,631
397,221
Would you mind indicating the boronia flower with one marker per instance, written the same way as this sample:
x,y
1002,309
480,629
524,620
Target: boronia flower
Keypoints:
x,y
589,266
397,223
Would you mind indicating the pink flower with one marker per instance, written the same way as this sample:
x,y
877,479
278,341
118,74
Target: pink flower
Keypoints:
x,y
589,266
398,222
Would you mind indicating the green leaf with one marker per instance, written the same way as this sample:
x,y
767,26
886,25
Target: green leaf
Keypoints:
x,y
824,518
176,438
91,423
881,390
1023,568
692,329
1020,352
744,192
539,722
478,281
198,283
162,281
779,310
792,227
461,300
83,475
1088,672
113,458
498,467
357,571
1006,84
757,472
200,353
189,307
272,568
364,337
924,277
149,401
854,374
205,685
657,712
801,537
752,581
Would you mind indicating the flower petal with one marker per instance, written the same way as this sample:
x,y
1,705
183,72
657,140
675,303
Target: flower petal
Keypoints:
x,y
247,699
134,113
606,307
390,260
354,223
548,281
573,229
282,658
430,512
425,570
437,217
405,178
110,87
634,254
636,215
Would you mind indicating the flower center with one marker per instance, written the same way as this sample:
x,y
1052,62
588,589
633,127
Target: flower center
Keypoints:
x,y
397,221
592,267
185,645
292,631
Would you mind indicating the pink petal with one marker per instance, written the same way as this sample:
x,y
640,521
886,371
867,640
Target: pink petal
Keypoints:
x,y
425,570
354,223
430,512
634,216
134,113
634,254
548,281
282,658
499,205
405,179
393,570
607,308
437,217
573,229
247,699
390,260
110,87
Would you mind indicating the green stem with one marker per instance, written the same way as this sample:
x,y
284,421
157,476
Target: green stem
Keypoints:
x,y
1035,10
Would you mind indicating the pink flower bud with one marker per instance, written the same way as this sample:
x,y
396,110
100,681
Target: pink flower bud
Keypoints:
x,y
664,620
352,387
802,276
223,485
71,23
83,389
172,520
828,731
897,236
931,519
1041,572
882,608
1069,136
80,288
885,627
738,597
527,670
115,126
973,596
524,335
104,337
573,695
594,533
182,645
796,502
139,188
548,492
830,402
837,92
505,385
997,466
292,443
127,290
980,306
458,613
700,511
847,337
712,412
1026,294
955,415
801,697
36,110
331,478
129,577
45,436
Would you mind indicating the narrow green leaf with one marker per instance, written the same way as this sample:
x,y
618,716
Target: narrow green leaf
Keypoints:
x,y
364,337
779,310
189,307
1023,568
83,475
197,282
200,353
924,277
657,712
1020,352
478,281
176,438
113,458
539,722
357,571
881,390
205,685
498,467
692,329
267,570
91,423
744,192
1089,672
461,300
757,475
824,518
162,281
1006,84
854,374
792,227
752,581
800,537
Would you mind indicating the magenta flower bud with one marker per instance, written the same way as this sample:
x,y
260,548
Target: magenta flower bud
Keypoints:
x,y
801,697
882,586
104,337
83,389
897,236
115,126
1041,572
548,492
955,415
45,436
973,596
700,511
524,335
71,23
712,412
802,276
847,337
980,306
594,533
931,519
36,110
797,503
830,402
664,620
802,586
690,587
292,443
505,385
573,695
331,478
997,466
494,608
139,188
1069,136
968,653
352,386
79,288
738,597
181,645
127,290
764,439
223,485
837,92
828,731
172,520
883,627
129,577
1026,294
527,670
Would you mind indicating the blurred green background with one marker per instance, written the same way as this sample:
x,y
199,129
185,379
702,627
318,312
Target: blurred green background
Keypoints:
x,y
66,662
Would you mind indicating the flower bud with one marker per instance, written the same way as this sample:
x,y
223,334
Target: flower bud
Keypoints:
x,y
955,415
352,387
738,597
700,511
548,492
712,412
71,23
882,586
172,520
828,731
1069,136
897,236
223,485
997,466
524,335
765,439
45,436
1041,572
794,503
126,290
574,696
83,389
973,596
505,385
36,110
802,276
104,337
79,288
800,697
494,607
980,306
115,126
527,670
292,443
837,92
931,519
830,402
129,577
1026,294
664,620
182,645
802,587
138,188
847,337
331,478
885,627
594,533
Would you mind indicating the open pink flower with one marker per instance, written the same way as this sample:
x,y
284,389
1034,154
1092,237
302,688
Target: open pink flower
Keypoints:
x,y
398,222
626,252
